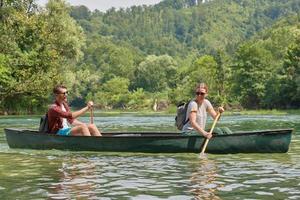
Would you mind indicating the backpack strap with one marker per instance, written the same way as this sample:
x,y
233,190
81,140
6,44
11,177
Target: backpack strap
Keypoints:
x,y
186,107
188,119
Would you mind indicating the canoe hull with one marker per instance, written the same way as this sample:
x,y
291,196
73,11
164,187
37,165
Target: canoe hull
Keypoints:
x,y
271,141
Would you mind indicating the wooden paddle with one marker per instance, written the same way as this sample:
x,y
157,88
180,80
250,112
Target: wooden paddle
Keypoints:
x,y
92,115
211,130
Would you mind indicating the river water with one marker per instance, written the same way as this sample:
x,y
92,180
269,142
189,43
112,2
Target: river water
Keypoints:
x,y
53,174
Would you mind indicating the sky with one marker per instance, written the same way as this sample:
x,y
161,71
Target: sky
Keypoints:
x,y
104,5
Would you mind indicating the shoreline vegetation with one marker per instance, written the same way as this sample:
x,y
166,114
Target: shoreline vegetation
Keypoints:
x,y
151,57
172,112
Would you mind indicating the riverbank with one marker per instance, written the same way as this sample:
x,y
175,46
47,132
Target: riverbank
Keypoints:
x,y
172,111
230,112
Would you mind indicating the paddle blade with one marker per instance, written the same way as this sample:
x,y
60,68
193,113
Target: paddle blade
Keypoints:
x,y
202,155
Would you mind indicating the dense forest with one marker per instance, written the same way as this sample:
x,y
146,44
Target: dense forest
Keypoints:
x,y
248,52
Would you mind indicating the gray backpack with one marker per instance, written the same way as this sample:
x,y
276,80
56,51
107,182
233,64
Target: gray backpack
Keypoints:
x,y
44,128
180,119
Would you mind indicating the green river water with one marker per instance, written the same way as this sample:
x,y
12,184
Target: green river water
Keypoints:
x,y
53,174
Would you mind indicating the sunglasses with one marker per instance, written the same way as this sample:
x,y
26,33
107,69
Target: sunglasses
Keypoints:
x,y
200,93
64,93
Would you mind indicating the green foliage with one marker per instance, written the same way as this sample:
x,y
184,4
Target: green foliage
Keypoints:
x,y
138,99
80,83
110,59
260,78
39,47
80,12
4,71
114,93
223,76
156,73
291,75
251,72
204,70
246,51
202,38
66,38
177,27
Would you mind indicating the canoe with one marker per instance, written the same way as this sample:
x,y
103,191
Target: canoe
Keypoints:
x,y
266,141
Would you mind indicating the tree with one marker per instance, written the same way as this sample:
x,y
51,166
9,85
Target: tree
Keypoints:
x,y
111,59
156,73
80,12
291,76
114,93
38,47
204,69
251,72
223,75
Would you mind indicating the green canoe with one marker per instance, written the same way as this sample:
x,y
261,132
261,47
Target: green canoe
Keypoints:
x,y
267,141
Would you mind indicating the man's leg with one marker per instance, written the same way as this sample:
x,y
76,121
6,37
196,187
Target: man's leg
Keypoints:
x,y
80,130
94,130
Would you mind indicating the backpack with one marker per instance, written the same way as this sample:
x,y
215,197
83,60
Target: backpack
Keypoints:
x,y
180,119
44,128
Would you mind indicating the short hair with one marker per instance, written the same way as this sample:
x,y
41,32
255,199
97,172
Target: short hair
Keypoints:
x,y
57,88
199,85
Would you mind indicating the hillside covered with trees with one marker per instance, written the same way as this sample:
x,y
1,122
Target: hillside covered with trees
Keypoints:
x,y
247,51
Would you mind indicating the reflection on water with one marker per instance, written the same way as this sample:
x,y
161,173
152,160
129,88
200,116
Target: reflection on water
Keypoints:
x,y
75,180
203,180
53,174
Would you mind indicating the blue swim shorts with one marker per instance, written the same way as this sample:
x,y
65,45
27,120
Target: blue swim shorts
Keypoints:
x,y
64,131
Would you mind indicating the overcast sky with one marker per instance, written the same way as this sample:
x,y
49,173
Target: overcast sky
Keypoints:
x,y
104,5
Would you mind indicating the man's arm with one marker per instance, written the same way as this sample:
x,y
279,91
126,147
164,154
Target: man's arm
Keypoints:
x,y
80,112
83,110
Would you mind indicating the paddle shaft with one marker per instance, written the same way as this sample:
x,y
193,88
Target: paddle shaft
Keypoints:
x,y
92,115
210,132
